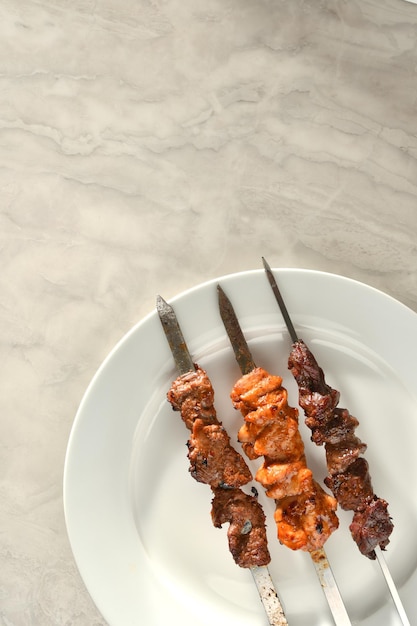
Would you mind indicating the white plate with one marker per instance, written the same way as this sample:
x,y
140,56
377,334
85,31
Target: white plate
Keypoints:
x,y
140,527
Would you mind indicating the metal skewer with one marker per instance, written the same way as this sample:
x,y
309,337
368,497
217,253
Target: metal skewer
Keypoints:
x,y
391,586
184,362
280,300
318,557
379,553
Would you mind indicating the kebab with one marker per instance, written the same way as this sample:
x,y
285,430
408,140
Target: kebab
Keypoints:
x,y
304,514
213,461
348,471
374,526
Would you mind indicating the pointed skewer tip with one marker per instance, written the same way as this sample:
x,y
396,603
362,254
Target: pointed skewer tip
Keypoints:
x,y
163,308
280,301
266,265
160,303
220,292
222,298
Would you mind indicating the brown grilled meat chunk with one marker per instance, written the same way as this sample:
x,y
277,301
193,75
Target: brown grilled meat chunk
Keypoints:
x,y
339,426
352,488
213,460
316,398
340,455
246,532
372,527
192,394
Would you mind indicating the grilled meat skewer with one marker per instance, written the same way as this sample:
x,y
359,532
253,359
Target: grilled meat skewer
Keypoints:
x,y
305,514
371,526
215,462
349,477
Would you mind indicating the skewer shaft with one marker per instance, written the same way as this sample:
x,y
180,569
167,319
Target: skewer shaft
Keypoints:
x,y
280,301
391,586
269,597
330,588
174,336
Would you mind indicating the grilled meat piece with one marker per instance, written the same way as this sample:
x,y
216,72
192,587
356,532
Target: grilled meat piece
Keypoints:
x,y
284,479
213,460
279,439
334,430
353,487
306,520
305,514
246,532
274,412
192,394
372,527
349,477
254,386
340,455
316,398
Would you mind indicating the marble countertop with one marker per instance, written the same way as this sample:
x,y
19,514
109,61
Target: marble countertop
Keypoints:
x,y
148,146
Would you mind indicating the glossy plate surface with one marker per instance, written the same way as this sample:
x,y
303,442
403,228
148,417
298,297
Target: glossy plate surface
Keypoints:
x,y
140,526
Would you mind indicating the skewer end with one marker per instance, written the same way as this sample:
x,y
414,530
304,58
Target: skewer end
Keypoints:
x,y
235,334
174,335
224,302
162,306
266,265
221,294
159,301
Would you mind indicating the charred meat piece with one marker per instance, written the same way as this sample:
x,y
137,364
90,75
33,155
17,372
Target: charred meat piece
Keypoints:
x,y
305,514
213,460
192,394
304,521
372,527
349,477
246,532
340,455
352,488
316,398
339,426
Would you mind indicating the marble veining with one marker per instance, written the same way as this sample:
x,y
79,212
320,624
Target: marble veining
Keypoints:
x,y
150,145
